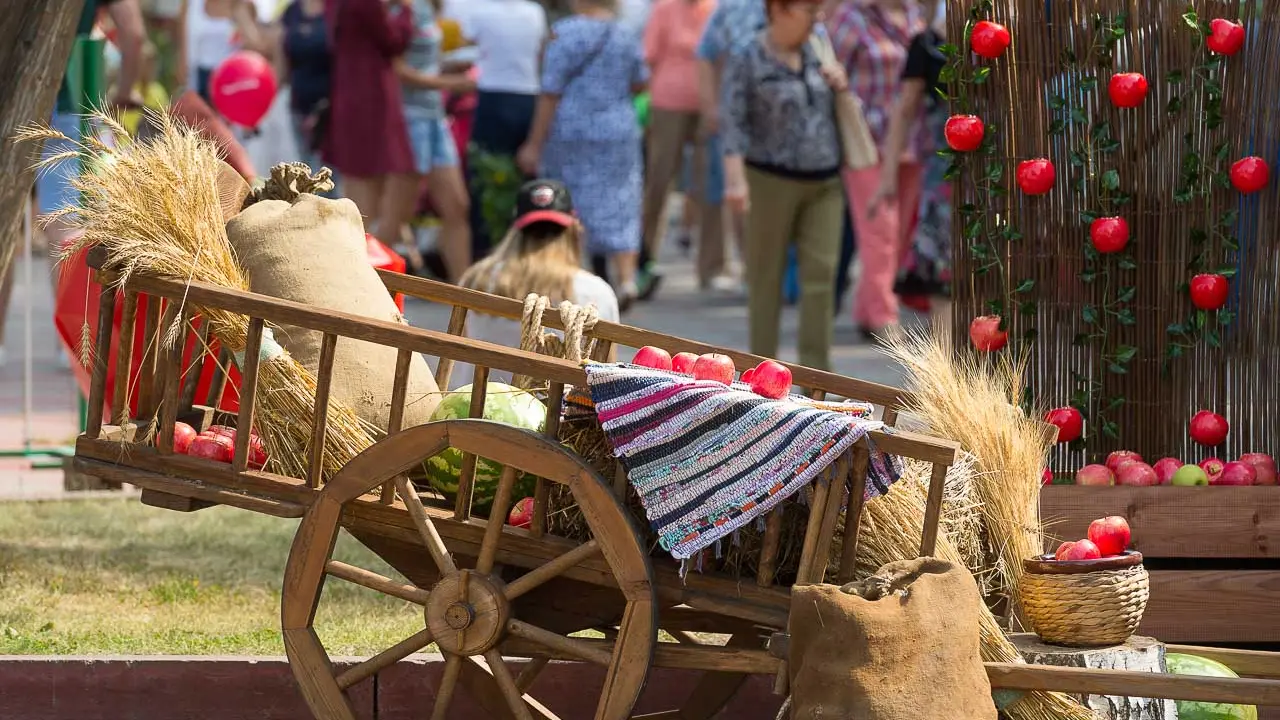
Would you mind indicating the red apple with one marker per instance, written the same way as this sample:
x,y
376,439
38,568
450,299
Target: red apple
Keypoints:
x,y
1136,473
1095,475
1237,473
771,379
746,375
1116,458
1047,477
1165,468
1225,37
1035,176
1109,234
963,132
1250,174
989,39
714,366
683,362
222,430
1208,291
1208,428
1110,534
183,434
653,357
257,452
1062,551
1127,90
1263,465
521,514
986,335
1212,468
218,448
1083,550
1069,421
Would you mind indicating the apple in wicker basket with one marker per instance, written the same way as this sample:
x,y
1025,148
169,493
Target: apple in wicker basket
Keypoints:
x,y
1111,534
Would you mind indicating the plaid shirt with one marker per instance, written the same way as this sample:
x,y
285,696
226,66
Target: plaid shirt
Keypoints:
x,y
873,51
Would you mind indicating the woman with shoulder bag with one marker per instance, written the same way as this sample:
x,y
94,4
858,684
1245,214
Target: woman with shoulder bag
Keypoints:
x,y
585,133
783,155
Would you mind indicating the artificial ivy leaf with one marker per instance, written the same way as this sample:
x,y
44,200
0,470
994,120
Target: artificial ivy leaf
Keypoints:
x,y
1125,317
1088,82
1109,146
1057,102
1176,329
981,74
1225,317
1121,199
1231,243
1088,277
1182,197
1126,262
1025,286
1115,404
1076,158
1191,19
1125,354
995,307
1088,217
973,229
1199,236
967,209
1010,234
1200,318
1174,351
1174,77
1227,271
1211,337
1126,294
1089,314
953,170
1080,340
1030,334
948,49
995,171
1229,218
1100,131
1221,151
1116,369
1027,308
1077,116
1111,180
1057,127
978,250
1111,430
1174,106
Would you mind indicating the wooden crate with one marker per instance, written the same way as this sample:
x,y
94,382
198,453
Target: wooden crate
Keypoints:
x,y
1213,554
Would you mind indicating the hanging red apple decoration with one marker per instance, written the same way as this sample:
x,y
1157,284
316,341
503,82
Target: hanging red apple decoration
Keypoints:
x,y
1069,421
1109,234
1250,174
1208,428
1225,37
963,132
1208,291
986,335
989,39
1127,90
1036,176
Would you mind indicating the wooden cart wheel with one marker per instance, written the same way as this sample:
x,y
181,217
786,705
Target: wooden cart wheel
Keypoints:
x,y
469,612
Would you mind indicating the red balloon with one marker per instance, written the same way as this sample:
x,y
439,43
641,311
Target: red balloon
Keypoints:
x,y
243,87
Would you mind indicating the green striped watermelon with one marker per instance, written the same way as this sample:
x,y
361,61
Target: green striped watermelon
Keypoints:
x,y
504,404
1180,664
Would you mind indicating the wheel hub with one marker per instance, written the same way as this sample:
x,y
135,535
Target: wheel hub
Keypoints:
x,y
467,613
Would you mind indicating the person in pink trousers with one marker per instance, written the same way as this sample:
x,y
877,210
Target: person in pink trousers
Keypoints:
x,y
871,38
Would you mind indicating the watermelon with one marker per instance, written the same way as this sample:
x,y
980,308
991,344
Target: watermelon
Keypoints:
x,y
503,403
1180,664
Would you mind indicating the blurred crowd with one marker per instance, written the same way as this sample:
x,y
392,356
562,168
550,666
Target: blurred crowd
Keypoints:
x,y
520,146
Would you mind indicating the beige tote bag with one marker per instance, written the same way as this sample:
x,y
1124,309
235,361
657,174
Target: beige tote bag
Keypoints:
x,y
856,144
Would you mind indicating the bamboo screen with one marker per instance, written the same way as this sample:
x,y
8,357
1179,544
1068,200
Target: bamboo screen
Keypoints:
x,y
1162,166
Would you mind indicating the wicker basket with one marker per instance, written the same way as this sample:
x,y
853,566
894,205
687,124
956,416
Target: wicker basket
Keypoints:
x,y
1089,603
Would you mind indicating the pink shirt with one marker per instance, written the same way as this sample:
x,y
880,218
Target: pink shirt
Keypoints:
x,y
670,42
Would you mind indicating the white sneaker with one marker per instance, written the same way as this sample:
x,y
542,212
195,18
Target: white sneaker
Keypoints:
x,y
724,285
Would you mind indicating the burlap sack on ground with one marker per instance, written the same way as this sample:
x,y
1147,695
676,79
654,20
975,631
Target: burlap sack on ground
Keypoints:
x,y
902,645
312,250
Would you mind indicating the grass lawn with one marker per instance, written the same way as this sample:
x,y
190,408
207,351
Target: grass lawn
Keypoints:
x,y
114,576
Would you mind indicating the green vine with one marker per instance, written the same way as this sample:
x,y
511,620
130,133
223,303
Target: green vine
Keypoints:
x,y
1094,178
987,233
1198,181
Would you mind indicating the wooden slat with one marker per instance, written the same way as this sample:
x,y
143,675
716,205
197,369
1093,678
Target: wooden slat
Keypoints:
x,y
933,510
620,482
497,519
395,422
768,567
171,376
320,416
124,359
147,367
467,476
837,477
101,354
817,508
1213,606
1173,522
248,393
457,325
194,489
1016,676
195,368
541,491
853,513
218,384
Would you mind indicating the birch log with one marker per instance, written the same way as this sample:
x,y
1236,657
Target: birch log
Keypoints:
x,y
1139,654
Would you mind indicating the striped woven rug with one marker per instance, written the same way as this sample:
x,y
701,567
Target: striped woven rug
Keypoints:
x,y
707,459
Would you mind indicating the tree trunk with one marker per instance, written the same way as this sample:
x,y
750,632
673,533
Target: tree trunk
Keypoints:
x,y
35,44
1139,654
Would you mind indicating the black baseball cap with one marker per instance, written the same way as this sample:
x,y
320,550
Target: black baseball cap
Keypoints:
x,y
544,201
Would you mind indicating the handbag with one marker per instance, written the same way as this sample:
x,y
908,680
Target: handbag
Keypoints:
x,y
590,58
856,144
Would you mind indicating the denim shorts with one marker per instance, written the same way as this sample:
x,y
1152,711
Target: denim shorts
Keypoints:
x,y
432,142
713,183
53,183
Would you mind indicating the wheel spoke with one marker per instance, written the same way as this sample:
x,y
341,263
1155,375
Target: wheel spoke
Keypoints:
x,y
481,684
426,528
530,672
507,684
448,683
497,518
542,574
390,656
567,645
374,581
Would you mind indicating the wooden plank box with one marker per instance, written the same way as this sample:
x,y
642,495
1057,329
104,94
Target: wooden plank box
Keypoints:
x,y
1213,554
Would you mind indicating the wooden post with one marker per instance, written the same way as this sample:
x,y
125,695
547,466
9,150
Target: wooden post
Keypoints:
x,y
35,43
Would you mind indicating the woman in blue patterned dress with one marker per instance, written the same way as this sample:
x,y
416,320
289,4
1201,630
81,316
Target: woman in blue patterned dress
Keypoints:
x,y
585,132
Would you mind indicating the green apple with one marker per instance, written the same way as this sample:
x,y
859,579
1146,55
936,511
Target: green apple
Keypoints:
x,y
1190,475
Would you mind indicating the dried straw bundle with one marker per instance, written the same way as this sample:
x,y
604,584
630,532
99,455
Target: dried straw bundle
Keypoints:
x,y
973,401
154,207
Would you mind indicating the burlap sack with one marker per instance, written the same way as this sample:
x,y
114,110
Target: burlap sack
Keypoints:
x,y
902,645
311,250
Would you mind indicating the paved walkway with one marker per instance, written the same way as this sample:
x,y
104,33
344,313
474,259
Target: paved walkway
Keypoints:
x,y
679,309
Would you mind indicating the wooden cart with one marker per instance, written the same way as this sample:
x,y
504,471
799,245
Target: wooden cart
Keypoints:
x,y
489,590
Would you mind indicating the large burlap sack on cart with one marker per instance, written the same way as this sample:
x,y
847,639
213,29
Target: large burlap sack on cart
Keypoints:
x,y
901,645
298,246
